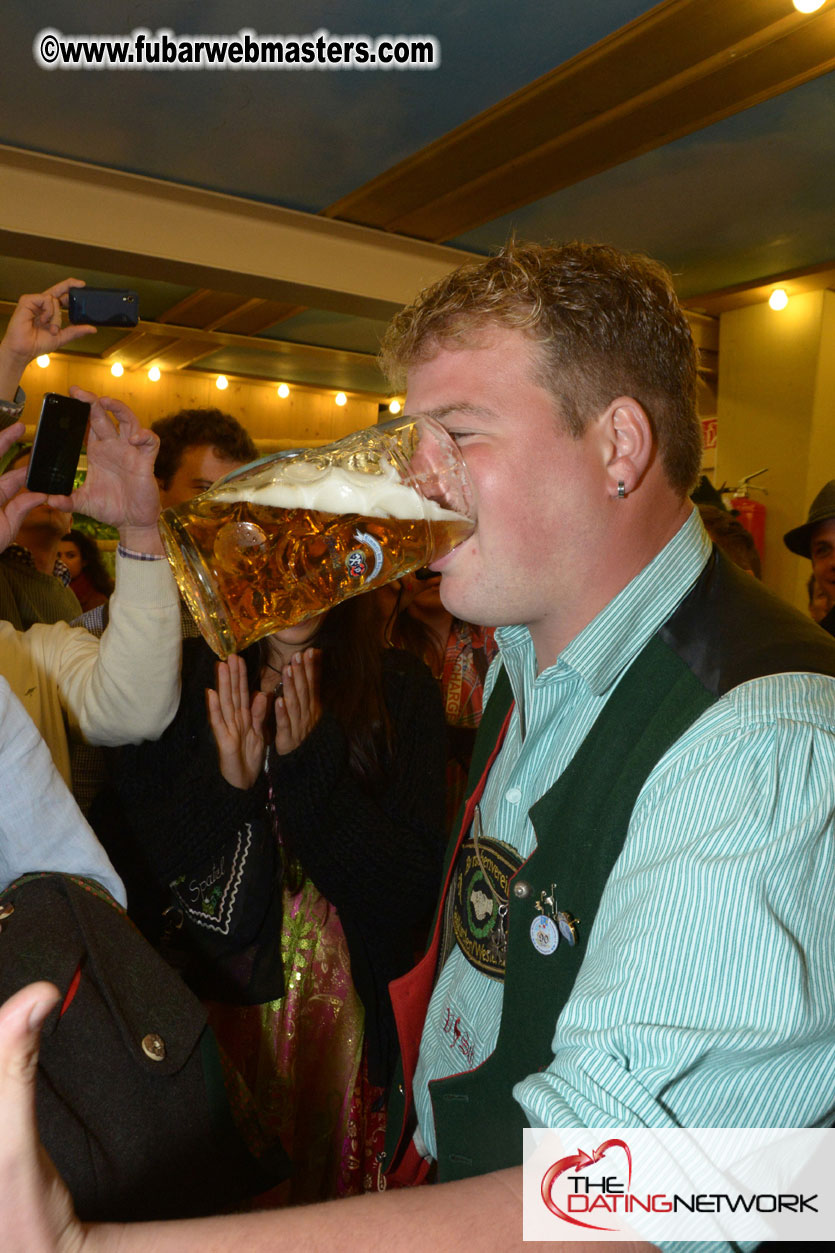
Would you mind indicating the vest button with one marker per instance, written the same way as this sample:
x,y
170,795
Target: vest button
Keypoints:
x,y
6,910
153,1046
521,890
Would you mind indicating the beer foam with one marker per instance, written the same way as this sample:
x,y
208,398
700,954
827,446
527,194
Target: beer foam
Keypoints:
x,y
337,490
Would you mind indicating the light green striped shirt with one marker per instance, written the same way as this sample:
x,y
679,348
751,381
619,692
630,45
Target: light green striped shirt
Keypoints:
x,y
707,991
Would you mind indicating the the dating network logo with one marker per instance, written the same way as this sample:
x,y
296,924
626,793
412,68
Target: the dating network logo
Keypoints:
x,y
658,1181
584,1192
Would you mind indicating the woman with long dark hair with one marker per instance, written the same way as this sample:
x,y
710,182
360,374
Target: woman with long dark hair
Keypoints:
x,y
89,578
296,879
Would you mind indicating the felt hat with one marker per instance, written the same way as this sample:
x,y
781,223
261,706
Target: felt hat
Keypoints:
x,y
821,509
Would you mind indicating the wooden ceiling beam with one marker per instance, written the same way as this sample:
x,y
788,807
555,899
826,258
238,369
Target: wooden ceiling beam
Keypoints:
x,y
210,311
181,353
201,308
213,340
183,345
680,67
174,347
132,349
253,312
254,316
796,283
173,354
224,310
129,224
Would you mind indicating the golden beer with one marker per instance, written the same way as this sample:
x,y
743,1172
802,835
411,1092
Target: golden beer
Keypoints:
x,y
291,535
266,567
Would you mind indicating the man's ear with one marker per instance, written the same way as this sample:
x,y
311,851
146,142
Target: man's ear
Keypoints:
x,y
631,445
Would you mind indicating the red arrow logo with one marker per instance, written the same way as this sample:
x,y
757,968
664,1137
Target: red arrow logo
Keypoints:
x,y
580,1160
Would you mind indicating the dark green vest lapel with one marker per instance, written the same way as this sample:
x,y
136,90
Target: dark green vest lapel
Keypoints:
x,y
492,721
580,824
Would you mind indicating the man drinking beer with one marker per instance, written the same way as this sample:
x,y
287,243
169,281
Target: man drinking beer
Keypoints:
x,y
650,941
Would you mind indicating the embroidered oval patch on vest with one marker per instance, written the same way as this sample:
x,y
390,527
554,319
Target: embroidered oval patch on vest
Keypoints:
x,y
480,891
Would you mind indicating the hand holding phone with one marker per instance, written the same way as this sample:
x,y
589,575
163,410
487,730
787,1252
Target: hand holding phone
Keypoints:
x,y
35,328
119,488
57,447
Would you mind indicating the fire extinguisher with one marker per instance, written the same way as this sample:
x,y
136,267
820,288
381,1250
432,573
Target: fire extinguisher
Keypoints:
x,y
751,513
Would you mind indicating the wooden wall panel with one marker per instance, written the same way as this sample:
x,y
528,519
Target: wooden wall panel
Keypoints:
x,y
305,417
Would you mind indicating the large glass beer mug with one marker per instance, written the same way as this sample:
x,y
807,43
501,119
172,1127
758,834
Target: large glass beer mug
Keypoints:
x,y
291,535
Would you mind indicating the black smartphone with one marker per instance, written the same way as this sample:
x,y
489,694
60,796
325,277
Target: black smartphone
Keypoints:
x,y
57,447
102,306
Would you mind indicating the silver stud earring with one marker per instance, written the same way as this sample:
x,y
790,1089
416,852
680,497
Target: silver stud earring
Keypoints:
x,y
621,489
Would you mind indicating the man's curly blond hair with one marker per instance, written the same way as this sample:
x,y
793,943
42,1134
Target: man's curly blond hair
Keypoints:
x,y
608,324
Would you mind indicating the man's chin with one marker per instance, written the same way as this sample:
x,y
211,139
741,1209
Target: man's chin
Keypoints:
x,y
455,600
446,591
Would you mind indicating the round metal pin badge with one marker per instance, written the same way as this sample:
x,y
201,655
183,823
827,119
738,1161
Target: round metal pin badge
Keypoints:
x,y
544,934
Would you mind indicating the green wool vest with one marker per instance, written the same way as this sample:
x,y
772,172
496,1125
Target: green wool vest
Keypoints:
x,y
580,825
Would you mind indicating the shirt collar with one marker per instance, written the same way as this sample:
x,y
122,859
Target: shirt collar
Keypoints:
x,y
612,640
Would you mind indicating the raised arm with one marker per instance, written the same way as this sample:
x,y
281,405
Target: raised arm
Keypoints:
x,y
35,328
126,688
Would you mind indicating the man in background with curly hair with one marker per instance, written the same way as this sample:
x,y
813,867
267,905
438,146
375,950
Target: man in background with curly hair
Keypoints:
x,y
196,448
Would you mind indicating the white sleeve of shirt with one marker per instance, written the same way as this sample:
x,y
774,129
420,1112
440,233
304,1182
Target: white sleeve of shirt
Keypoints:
x,y
124,688
41,827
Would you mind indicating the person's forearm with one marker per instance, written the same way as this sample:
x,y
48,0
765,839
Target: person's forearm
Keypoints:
x,y
11,370
486,1211
132,690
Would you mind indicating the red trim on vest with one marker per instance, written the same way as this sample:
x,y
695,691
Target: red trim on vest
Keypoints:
x,y
411,993
412,1170
71,991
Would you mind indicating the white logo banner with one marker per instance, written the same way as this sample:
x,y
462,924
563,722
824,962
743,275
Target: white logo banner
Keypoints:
x,y
667,1184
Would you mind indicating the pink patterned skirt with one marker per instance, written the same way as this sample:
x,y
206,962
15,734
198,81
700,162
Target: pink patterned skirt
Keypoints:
x,y
304,1061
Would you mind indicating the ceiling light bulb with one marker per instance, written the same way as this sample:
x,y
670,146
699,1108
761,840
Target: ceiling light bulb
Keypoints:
x,y
340,399
117,369
808,6
43,360
221,382
283,390
395,407
778,298
154,374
